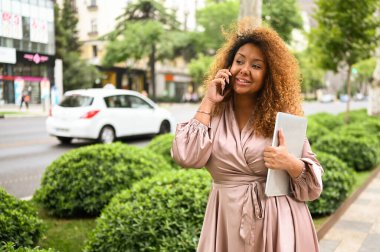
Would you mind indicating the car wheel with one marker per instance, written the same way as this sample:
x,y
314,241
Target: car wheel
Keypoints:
x,y
65,140
107,135
164,127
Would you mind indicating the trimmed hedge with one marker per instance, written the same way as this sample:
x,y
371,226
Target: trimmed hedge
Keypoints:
x,y
338,180
82,181
359,153
163,213
327,120
162,145
358,115
315,131
18,221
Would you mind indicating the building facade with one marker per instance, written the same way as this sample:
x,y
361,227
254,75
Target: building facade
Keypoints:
x,y
97,18
27,49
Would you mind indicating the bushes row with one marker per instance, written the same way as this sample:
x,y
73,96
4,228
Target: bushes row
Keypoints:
x,y
163,213
338,180
82,181
19,223
342,148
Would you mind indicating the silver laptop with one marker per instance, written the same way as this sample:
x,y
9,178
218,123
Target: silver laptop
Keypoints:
x,y
294,128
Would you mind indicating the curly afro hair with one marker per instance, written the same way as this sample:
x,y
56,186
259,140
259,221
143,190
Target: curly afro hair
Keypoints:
x,y
281,91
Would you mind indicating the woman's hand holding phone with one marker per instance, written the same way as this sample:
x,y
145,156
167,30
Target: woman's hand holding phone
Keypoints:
x,y
218,86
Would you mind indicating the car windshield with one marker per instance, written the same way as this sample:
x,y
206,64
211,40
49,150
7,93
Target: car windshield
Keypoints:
x,y
72,101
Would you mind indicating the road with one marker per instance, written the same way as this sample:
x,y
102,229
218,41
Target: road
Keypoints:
x,y
26,149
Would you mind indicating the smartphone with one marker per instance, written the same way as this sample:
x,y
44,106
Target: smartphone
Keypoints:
x,y
228,84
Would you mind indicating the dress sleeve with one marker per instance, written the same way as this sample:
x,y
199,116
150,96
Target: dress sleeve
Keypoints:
x,y
192,144
308,186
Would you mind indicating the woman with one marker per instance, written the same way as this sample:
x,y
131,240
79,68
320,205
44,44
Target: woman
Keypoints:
x,y
253,77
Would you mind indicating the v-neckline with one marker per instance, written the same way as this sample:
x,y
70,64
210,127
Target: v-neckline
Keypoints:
x,y
244,133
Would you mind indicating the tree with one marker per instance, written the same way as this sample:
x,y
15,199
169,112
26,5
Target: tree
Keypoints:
x,y
346,34
251,8
141,31
374,94
312,75
283,16
212,18
76,72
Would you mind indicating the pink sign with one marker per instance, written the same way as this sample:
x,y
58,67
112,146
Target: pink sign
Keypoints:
x,y
36,58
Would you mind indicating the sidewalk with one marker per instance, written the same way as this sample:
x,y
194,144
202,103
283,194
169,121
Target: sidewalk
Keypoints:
x,y
358,229
12,110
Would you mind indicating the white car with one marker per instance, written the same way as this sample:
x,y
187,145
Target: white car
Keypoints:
x,y
105,115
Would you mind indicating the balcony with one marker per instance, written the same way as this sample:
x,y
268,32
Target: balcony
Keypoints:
x,y
93,33
92,7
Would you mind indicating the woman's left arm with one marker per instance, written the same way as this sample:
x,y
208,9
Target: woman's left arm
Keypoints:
x,y
305,172
308,185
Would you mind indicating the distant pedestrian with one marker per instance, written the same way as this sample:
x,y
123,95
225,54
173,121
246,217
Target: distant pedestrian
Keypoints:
x,y
25,98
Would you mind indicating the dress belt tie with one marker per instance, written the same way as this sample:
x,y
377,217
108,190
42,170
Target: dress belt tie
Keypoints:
x,y
252,207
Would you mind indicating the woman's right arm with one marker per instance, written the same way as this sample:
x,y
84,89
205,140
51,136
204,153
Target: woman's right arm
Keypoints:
x,y
192,143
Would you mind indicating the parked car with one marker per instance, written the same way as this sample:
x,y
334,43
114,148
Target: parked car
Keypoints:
x,y
105,115
326,98
344,98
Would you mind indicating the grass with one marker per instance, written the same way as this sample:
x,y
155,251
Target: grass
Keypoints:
x,y
65,234
11,113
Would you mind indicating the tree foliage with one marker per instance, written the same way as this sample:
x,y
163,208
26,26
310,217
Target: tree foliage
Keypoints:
x,y
283,16
346,31
145,29
77,73
312,75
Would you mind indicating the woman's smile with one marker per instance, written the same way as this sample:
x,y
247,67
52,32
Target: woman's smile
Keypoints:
x,y
242,82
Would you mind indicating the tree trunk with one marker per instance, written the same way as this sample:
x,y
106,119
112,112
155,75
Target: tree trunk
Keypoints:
x,y
374,88
152,63
347,117
251,8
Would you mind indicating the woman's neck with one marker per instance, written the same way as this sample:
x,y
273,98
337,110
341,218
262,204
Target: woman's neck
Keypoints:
x,y
244,103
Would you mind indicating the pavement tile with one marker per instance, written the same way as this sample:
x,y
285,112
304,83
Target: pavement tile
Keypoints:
x,y
362,201
351,240
354,225
376,227
371,243
328,245
363,213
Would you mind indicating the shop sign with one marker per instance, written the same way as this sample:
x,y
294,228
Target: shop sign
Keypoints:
x,y
36,58
7,55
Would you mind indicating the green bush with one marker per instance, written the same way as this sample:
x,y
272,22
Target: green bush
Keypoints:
x,y
326,120
10,247
82,181
315,131
163,213
18,221
162,145
359,115
338,180
367,128
359,153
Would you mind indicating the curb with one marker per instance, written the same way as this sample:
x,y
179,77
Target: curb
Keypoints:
x,y
322,231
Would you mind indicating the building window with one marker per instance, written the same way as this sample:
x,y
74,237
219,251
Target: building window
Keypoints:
x,y
92,5
93,28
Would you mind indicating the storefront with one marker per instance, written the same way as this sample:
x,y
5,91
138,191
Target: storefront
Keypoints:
x,y
32,73
27,49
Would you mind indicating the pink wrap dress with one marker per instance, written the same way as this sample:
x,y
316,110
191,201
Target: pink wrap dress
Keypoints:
x,y
239,216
